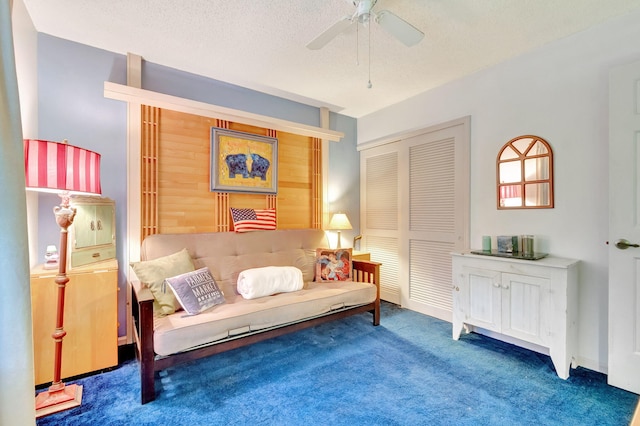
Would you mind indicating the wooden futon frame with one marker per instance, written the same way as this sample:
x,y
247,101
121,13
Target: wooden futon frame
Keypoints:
x,y
150,363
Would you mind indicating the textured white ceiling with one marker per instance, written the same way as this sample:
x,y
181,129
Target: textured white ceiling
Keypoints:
x,y
260,44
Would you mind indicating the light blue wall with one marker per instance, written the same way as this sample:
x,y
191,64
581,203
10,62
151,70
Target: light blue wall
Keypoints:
x,y
344,180
72,106
170,81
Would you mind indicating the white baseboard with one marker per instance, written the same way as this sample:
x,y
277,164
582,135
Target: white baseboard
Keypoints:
x,y
591,364
587,363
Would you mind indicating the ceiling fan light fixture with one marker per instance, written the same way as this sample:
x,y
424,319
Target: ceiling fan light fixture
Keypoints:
x,y
397,27
403,31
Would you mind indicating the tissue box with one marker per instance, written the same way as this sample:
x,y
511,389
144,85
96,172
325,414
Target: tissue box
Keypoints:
x,y
507,243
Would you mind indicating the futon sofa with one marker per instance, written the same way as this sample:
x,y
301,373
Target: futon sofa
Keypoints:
x,y
164,340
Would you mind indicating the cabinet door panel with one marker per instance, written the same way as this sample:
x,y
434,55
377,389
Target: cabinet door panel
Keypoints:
x,y
104,224
525,306
84,227
483,296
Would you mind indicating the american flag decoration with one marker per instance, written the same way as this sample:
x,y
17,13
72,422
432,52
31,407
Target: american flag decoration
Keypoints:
x,y
57,167
247,220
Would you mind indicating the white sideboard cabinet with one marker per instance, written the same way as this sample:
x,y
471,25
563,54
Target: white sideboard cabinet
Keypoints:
x,y
532,301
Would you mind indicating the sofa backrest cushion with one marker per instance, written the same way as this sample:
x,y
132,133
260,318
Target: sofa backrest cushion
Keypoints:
x,y
226,254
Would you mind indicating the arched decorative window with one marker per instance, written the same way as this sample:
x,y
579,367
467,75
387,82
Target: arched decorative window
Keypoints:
x,y
525,174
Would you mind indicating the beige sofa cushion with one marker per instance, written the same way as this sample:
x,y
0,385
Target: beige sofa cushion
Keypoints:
x,y
178,332
226,254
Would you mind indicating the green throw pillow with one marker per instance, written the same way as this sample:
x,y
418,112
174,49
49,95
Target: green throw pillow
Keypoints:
x,y
154,272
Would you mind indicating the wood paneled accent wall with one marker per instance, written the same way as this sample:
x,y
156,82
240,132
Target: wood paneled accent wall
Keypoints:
x,y
150,116
178,146
316,183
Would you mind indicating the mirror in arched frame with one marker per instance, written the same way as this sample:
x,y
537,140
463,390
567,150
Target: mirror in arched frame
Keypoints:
x,y
525,174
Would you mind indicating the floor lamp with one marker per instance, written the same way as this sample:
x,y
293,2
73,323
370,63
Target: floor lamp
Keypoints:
x,y
338,222
66,170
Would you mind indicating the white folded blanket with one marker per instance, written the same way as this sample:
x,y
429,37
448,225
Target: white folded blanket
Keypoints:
x,y
259,282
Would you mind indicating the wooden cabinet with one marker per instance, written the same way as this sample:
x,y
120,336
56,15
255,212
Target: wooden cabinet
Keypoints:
x,y
90,320
529,301
93,234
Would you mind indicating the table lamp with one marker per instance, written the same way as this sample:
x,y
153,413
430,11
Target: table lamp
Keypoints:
x,y
66,170
338,222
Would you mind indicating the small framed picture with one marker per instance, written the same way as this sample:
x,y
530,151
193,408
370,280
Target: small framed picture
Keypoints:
x,y
334,264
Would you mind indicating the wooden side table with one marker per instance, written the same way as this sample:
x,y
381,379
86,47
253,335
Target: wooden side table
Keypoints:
x,y
361,255
90,320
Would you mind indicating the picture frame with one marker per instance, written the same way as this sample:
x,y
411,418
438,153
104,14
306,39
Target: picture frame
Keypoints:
x,y
334,264
243,162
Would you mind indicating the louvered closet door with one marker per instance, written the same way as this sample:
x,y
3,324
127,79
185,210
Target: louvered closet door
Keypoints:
x,y
415,212
380,207
432,218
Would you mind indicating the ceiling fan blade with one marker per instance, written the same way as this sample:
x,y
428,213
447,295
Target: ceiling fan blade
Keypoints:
x,y
325,37
399,28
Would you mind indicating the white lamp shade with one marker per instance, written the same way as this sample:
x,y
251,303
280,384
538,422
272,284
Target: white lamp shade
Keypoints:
x,y
340,221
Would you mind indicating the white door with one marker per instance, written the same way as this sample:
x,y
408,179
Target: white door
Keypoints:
x,y
380,188
435,216
624,224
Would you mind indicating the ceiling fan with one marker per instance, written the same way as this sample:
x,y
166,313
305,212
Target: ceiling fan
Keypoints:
x,y
364,14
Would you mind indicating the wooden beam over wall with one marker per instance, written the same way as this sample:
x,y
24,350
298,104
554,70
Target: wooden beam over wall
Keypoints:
x,y
160,100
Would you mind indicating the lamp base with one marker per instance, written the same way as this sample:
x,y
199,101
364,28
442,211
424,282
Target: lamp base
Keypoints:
x,y
49,402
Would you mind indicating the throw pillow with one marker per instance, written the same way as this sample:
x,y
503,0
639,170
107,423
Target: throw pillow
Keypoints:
x,y
333,264
196,291
153,273
246,220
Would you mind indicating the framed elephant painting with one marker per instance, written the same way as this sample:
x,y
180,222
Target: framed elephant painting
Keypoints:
x,y
243,162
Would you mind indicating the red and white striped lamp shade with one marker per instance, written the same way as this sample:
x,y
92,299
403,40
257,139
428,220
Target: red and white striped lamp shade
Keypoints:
x,y
510,191
57,167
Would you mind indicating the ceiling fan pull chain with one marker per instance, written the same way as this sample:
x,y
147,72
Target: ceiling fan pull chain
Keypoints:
x,y
369,85
357,44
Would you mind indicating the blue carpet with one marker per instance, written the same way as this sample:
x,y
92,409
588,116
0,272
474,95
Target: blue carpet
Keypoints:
x,y
407,371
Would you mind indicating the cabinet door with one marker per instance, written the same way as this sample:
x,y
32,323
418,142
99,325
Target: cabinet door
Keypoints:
x,y
104,224
84,226
482,294
525,307
93,225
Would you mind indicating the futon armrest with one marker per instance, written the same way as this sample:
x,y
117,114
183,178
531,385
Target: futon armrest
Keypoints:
x,y
367,271
142,311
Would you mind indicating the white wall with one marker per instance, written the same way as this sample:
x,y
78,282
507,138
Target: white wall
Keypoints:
x,y
26,48
16,357
560,93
